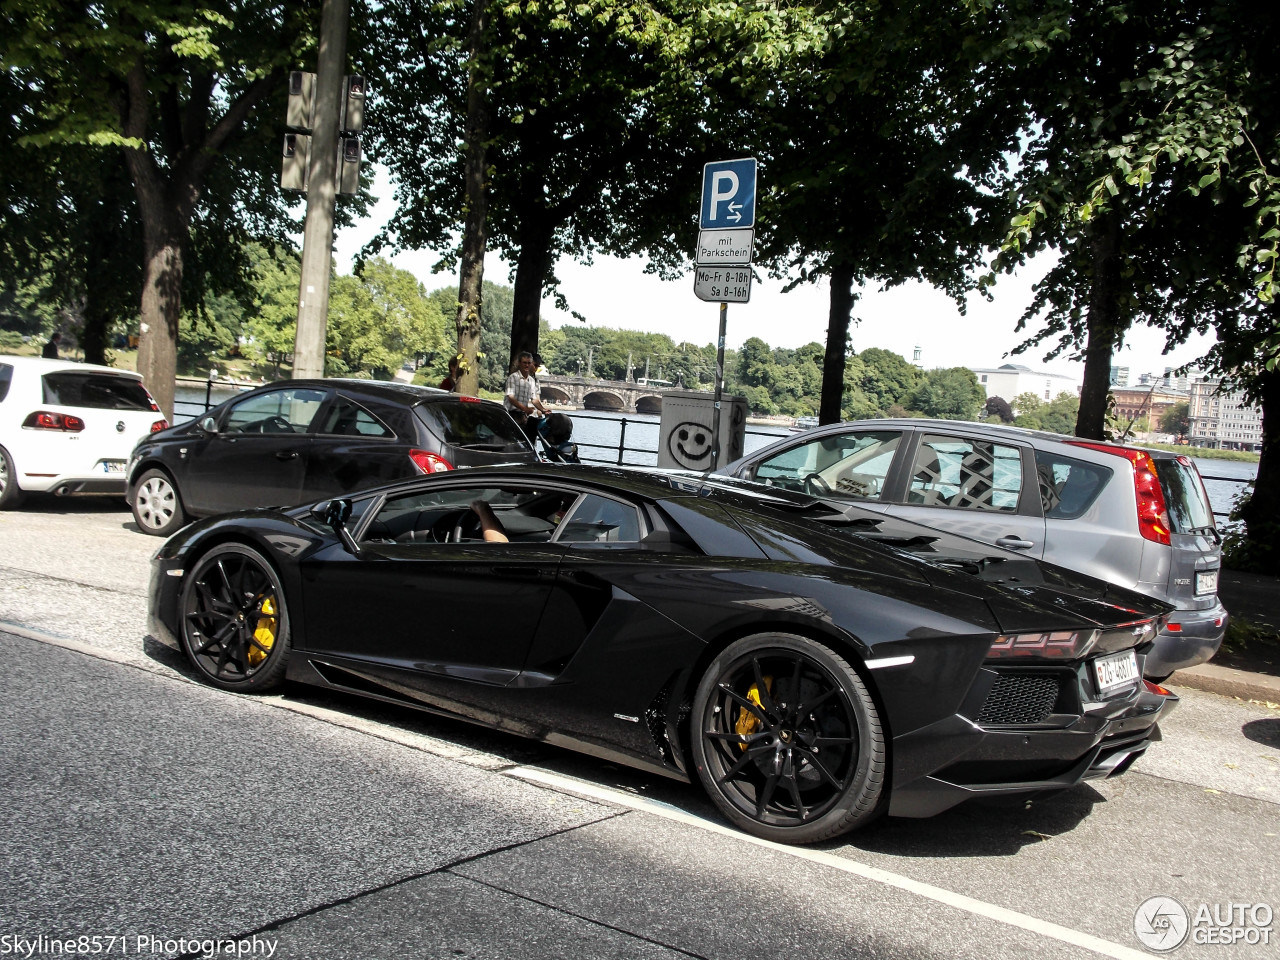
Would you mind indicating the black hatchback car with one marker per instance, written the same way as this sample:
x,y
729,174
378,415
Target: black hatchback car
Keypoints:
x,y
301,440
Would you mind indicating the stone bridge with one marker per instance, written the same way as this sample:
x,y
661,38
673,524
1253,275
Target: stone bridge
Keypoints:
x,y
610,395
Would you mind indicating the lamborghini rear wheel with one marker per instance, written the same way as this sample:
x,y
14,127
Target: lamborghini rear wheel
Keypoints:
x,y
787,741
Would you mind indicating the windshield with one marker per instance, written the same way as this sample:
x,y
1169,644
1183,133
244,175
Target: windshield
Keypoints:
x,y
1184,496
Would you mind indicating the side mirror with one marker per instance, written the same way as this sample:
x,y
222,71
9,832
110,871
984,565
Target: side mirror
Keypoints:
x,y
208,424
335,513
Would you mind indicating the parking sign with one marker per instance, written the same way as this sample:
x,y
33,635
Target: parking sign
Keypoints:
x,y
729,194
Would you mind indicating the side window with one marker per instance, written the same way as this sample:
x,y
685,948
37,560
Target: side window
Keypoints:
x,y
854,464
970,474
347,418
279,411
1068,486
6,377
600,520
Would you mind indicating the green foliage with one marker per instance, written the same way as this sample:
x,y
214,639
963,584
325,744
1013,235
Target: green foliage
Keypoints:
x,y
1176,419
953,393
378,321
1057,415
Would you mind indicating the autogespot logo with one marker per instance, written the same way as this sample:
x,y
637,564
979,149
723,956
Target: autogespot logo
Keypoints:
x,y
1161,924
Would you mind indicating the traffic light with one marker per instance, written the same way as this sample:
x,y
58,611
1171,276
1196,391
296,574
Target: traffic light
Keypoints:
x,y
349,165
353,93
293,171
301,113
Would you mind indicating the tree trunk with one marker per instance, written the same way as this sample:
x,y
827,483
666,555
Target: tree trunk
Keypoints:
x,y
833,361
1261,514
1105,326
161,308
532,266
474,237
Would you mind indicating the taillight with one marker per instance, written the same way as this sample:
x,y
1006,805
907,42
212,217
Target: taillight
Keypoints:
x,y
1061,645
153,403
429,462
159,425
1153,514
43,420
470,399
1156,688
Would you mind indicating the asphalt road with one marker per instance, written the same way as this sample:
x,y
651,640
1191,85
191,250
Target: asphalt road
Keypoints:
x,y
143,806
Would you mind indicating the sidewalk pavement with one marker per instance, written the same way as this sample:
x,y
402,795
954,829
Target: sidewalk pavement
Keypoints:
x,y
1247,596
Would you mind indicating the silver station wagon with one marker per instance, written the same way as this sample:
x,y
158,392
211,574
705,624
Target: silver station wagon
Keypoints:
x,y
1136,517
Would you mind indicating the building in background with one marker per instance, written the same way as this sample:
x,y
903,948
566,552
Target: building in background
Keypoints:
x,y
1119,376
1223,420
1011,380
1134,404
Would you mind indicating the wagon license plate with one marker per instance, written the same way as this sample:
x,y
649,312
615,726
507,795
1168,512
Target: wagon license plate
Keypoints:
x,y
1117,670
113,466
1207,582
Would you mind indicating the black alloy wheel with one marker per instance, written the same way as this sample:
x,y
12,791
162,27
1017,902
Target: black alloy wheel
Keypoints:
x,y
787,740
235,621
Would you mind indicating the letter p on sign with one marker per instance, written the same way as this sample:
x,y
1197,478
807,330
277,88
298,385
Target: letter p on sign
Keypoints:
x,y
729,194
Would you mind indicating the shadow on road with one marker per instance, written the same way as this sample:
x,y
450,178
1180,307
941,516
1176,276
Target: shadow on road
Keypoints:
x,y
1265,731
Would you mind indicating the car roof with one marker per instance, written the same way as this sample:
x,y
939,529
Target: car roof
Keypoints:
x,y
993,430
395,391
40,365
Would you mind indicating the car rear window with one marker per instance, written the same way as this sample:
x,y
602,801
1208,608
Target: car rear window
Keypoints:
x,y
1068,486
1184,496
484,426
101,391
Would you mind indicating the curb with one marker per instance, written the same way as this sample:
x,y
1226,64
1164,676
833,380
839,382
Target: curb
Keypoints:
x,y
1228,682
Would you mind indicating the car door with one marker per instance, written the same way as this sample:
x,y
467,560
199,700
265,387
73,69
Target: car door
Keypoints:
x,y
353,449
971,485
258,455
430,608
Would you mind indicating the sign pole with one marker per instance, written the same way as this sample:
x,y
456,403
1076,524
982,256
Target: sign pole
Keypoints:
x,y
715,423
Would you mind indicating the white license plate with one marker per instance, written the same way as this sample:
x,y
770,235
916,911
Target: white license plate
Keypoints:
x,y
1117,670
1207,582
113,466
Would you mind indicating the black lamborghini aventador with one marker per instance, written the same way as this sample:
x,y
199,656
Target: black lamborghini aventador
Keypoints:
x,y
695,627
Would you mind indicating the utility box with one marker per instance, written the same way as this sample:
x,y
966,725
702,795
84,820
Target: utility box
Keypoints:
x,y
293,168
349,166
353,93
685,431
301,112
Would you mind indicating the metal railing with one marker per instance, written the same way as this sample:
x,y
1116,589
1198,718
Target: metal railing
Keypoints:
x,y
615,453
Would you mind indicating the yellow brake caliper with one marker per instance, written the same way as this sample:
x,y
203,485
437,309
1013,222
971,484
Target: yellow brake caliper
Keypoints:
x,y
748,723
265,633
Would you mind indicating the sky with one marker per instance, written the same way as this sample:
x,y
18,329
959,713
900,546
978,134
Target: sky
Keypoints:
x,y
618,293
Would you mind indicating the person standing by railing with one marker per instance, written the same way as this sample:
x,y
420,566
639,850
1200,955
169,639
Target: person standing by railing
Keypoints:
x,y
523,398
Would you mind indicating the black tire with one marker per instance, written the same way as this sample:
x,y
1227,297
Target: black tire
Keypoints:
x,y
803,764
235,620
10,492
157,505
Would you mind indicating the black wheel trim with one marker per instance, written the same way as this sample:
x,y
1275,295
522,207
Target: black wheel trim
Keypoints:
x,y
762,781
223,610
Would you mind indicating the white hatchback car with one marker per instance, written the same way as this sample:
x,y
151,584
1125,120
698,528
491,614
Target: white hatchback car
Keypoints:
x,y
69,428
